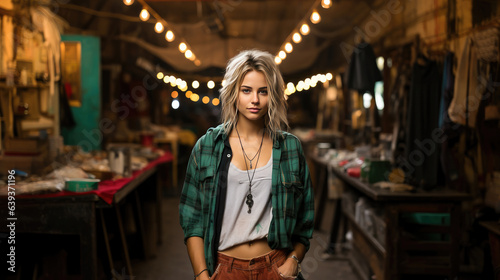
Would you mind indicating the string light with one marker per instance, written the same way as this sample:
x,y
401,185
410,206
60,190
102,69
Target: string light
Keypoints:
x,y
215,101
169,36
159,75
188,54
282,55
175,104
205,99
144,15
315,17
197,62
277,60
182,47
304,29
296,38
195,97
159,27
128,2
210,84
174,94
326,4
195,84
166,79
288,47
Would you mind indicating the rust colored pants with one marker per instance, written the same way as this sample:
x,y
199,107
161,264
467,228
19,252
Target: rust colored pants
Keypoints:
x,y
261,268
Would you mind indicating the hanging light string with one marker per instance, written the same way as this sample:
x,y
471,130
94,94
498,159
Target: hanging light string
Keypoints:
x,y
162,25
302,29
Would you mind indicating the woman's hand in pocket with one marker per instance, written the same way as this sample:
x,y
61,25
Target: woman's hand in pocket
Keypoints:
x,y
289,268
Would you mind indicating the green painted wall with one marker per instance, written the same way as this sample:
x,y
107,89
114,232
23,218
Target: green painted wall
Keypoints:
x,y
86,133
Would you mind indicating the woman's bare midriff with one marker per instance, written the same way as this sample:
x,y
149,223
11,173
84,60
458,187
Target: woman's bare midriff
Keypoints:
x,y
249,250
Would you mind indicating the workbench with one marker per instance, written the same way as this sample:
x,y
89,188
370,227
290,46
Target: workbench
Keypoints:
x,y
396,254
78,214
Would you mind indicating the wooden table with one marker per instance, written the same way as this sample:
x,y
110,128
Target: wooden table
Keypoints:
x,y
386,261
78,215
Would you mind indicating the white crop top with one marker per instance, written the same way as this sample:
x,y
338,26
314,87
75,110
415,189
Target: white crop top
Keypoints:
x,y
238,226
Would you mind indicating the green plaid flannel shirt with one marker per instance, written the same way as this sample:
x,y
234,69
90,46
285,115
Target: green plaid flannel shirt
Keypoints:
x,y
292,194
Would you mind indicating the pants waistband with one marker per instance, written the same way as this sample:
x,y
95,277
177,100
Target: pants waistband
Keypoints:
x,y
255,263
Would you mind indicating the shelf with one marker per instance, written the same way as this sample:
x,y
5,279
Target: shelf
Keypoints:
x,y
373,242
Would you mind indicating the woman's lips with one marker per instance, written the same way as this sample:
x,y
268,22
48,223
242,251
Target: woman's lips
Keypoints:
x,y
254,110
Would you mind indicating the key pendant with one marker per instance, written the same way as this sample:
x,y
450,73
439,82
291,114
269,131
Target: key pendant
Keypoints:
x,y
249,202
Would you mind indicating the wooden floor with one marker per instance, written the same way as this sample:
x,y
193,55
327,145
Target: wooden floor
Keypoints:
x,y
170,260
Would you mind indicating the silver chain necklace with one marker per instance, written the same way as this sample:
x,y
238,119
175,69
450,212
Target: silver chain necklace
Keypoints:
x,y
249,200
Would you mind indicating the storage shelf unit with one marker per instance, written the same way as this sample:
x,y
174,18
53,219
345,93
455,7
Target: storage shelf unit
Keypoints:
x,y
402,250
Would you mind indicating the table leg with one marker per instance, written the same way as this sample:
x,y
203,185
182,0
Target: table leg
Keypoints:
x,y
106,241
88,243
124,241
140,224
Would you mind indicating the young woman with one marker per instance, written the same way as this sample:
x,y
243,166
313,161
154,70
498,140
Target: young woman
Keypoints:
x,y
247,205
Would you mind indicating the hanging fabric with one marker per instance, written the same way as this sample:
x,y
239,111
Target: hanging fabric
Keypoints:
x,y
468,87
363,71
422,149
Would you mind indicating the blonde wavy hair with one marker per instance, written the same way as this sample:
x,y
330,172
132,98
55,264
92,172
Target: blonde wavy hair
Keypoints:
x,y
237,68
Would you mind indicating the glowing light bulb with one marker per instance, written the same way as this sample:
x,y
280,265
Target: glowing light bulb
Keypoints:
x,y
160,75
277,60
166,79
159,27
188,54
210,84
195,84
282,55
144,15
195,97
296,38
205,99
304,29
174,94
315,17
326,4
169,36
128,2
329,76
175,104
288,47
182,47
223,83
215,101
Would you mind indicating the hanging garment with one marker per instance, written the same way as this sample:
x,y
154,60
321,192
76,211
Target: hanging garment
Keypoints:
x,y
468,88
488,44
363,71
450,163
422,148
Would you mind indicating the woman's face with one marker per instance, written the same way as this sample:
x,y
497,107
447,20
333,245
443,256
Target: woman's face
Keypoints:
x,y
253,96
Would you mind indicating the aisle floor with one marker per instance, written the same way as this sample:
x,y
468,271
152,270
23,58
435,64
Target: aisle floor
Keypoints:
x,y
170,260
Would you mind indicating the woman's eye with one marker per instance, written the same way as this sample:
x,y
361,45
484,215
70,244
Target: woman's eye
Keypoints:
x,y
245,90
263,92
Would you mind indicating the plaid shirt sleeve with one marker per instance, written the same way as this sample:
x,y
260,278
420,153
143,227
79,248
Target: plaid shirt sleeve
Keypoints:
x,y
305,214
190,211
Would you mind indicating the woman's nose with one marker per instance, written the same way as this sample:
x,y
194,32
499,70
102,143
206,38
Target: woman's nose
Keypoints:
x,y
255,97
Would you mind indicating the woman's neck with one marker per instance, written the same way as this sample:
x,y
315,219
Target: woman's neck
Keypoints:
x,y
248,129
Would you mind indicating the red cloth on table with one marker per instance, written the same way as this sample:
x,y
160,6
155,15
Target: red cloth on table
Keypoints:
x,y
108,188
